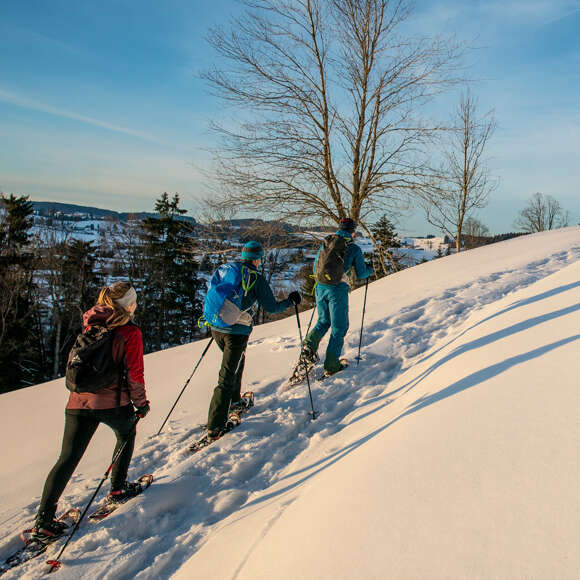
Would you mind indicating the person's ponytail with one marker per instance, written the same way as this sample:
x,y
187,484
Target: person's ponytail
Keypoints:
x,y
108,296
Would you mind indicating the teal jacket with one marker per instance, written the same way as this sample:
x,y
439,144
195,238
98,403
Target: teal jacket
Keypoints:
x,y
354,257
261,293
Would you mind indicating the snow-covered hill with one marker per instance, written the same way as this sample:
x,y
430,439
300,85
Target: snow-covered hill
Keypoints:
x,y
452,451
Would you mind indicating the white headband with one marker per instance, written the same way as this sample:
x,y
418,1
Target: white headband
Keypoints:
x,y
127,299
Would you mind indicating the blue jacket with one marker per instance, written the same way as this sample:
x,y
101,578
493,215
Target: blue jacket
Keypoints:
x,y
354,257
261,293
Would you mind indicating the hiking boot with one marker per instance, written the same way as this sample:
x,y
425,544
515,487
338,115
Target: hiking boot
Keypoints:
x,y
47,529
128,491
233,420
308,356
343,365
214,434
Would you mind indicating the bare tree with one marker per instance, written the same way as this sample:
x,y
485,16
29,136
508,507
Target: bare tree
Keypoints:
x,y
463,182
70,282
127,244
543,212
474,230
327,95
276,241
213,232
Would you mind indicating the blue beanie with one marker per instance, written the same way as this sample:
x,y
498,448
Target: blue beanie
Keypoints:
x,y
252,251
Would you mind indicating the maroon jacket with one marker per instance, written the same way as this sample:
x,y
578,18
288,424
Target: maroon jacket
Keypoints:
x,y
128,350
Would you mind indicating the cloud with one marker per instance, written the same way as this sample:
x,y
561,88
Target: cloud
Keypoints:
x,y
540,11
20,101
489,18
565,15
24,35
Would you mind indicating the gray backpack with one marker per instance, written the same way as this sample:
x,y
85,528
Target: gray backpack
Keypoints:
x,y
330,264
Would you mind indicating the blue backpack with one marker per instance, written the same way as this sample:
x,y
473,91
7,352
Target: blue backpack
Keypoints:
x,y
222,306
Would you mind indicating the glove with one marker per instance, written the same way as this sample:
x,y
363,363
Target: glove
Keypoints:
x,y
142,411
295,297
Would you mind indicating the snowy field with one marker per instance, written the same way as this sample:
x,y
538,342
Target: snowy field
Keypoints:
x,y
452,451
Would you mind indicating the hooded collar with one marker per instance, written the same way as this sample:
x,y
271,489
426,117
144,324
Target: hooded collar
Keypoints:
x,y
97,315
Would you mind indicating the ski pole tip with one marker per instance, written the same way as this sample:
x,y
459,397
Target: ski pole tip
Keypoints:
x,y
53,566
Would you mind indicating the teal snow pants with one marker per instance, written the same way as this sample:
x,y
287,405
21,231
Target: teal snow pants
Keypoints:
x,y
332,305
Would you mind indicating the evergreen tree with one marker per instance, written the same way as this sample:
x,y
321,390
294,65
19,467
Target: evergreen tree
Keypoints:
x,y
15,225
384,232
386,239
171,287
20,350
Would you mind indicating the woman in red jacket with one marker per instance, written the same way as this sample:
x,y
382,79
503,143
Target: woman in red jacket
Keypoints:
x,y
112,405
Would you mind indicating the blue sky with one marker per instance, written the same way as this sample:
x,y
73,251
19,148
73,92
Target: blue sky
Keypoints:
x,y
101,103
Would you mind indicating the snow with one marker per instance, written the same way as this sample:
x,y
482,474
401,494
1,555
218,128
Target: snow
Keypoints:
x,y
450,452
83,230
431,243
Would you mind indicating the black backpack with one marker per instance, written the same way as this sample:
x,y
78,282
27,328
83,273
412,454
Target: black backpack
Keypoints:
x,y
90,365
330,264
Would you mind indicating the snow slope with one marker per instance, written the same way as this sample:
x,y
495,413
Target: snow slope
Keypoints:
x,y
450,452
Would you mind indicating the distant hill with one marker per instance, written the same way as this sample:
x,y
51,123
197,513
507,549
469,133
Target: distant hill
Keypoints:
x,y
249,223
48,208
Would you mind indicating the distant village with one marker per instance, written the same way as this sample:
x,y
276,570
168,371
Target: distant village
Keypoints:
x,y
86,223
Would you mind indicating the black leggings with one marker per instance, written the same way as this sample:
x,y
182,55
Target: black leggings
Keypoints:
x,y
79,427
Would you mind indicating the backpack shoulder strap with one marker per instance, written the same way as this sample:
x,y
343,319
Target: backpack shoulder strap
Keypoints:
x,y
249,278
122,377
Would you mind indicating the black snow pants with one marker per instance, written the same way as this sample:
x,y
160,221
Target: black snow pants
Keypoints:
x,y
229,384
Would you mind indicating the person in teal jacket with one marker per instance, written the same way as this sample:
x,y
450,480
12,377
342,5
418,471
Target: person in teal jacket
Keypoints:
x,y
233,341
332,305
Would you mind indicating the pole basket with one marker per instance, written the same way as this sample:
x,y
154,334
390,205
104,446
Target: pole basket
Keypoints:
x,y
53,566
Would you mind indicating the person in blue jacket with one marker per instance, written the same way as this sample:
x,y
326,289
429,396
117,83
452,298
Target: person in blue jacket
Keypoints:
x,y
233,340
332,305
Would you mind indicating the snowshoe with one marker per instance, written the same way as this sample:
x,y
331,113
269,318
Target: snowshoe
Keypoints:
x,y
306,362
234,419
115,499
245,403
308,357
38,539
47,532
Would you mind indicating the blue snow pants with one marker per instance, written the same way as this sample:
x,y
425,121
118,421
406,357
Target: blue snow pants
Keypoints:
x,y
332,305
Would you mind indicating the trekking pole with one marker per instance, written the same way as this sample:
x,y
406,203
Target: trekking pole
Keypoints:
x,y
304,363
310,321
56,564
362,321
313,310
186,383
